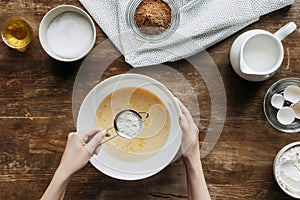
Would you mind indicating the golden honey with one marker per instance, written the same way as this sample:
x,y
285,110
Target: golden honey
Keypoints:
x,y
17,33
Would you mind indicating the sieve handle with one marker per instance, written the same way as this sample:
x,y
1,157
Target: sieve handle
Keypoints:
x,y
107,139
104,141
144,113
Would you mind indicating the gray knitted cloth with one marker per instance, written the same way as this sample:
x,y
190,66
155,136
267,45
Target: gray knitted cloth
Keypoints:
x,y
203,23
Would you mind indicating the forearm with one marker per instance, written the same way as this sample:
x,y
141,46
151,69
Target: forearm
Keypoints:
x,y
196,184
57,186
63,194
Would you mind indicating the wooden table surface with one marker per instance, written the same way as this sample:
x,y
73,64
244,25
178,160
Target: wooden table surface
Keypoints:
x,y
36,116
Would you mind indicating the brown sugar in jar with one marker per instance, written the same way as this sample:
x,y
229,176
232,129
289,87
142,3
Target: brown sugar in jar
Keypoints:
x,y
152,17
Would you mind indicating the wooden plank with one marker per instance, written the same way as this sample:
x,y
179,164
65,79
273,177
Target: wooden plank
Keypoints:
x,y
36,116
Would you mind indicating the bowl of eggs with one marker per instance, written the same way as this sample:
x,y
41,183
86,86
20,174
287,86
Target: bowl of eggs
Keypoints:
x,y
67,33
282,105
160,138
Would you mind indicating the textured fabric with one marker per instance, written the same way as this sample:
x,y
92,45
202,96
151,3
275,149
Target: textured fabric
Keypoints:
x,y
203,23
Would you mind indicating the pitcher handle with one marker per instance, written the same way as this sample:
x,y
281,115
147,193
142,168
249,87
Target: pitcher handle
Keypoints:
x,y
285,31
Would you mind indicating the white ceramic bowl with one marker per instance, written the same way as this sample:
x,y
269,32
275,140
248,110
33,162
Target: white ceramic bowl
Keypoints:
x,y
281,183
139,169
47,19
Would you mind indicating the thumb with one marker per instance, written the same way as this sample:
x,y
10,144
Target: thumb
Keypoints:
x,y
95,141
107,134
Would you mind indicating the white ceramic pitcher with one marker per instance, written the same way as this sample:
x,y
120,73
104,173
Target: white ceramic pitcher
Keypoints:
x,y
257,54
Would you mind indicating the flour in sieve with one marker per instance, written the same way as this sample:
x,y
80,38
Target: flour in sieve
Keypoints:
x,y
129,124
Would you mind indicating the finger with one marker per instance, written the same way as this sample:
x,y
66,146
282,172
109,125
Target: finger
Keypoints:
x,y
88,150
185,111
97,150
80,138
95,141
183,123
86,134
182,119
182,107
99,145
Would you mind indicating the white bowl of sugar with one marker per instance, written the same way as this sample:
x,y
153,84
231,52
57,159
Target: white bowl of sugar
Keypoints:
x,y
67,33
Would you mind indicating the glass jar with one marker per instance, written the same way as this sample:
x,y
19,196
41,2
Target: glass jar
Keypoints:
x,y
170,30
16,33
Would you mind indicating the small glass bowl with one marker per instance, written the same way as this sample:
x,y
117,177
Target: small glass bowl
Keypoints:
x,y
17,23
175,18
271,112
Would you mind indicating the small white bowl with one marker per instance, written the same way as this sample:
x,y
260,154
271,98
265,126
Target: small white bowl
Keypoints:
x,y
276,169
46,21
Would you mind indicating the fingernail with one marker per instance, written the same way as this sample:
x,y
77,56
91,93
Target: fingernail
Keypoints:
x,y
181,117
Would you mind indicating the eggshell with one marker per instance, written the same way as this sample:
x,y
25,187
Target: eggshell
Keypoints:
x,y
296,108
292,93
277,101
286,115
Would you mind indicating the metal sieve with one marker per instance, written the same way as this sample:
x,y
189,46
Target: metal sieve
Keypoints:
x,y
128,124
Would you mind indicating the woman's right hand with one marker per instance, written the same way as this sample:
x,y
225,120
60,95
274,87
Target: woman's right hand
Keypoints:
x,y
79,149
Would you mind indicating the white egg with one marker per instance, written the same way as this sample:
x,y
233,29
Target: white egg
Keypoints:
x,y
292,93
277,101
296,108
286,115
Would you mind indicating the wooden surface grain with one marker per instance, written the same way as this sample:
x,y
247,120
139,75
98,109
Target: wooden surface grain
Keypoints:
x,y
36,116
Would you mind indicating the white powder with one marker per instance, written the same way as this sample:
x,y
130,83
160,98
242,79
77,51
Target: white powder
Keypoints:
x,y
69,35
287,170
129,124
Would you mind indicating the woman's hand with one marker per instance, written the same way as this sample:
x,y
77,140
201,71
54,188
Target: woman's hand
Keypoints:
x,y
190,133
196,184
79,149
